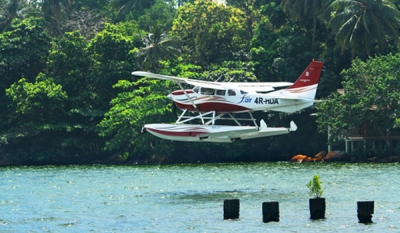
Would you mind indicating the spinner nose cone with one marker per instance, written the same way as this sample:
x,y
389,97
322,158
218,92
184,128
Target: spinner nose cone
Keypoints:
x,y
169,96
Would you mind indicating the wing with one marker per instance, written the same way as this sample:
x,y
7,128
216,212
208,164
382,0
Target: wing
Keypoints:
x,y
250,86
193,82
256,86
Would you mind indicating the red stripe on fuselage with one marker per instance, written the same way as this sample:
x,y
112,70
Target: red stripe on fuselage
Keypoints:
x,y
181,92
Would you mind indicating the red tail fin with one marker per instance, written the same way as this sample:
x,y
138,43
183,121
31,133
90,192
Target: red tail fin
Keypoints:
x,y
310,76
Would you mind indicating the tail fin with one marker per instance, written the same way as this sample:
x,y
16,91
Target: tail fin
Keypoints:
x,y
302,93
309,77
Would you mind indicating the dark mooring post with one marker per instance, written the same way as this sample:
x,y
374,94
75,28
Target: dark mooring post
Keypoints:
x,y
365,209
231,208
317,208
270,211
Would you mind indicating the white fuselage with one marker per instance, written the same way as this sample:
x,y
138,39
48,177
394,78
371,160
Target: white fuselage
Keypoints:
x,y
235,101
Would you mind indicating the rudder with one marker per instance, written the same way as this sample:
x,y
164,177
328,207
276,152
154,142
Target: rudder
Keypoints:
x,y
310,75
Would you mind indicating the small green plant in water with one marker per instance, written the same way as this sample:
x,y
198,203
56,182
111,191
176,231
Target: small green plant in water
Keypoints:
x,y
315,186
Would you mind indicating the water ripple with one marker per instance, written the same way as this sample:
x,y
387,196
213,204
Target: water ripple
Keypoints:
x,y
189,198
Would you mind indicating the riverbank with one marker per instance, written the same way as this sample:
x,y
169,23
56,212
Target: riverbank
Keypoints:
x,y
341,156
115,159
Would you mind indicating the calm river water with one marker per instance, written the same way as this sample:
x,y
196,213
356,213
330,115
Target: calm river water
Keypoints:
x,y
189,198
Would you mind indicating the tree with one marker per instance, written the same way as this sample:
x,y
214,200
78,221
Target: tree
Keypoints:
x,y
69,65
10,9
211,32
112,59
303,10
161,13
83,72
359,24
35,101
315,186
24,50
274,13
54,12
371,95
139,103
179,3
90,5
87,22
22,55
125,6
8,12
236,71
285,54
87,70
33,112
251,9
262,49
158,46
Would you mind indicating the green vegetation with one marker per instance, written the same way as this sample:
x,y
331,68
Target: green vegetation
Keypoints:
x,y
67,94
371,96
315,187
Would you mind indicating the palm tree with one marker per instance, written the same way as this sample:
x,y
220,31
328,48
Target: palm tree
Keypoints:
x,y
302,10
158,46
360,23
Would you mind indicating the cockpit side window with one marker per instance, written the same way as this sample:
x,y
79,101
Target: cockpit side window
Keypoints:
x,y
196,89
207,91
231,92
220,92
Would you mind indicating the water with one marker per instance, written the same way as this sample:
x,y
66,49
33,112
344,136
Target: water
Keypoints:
x,y
189,198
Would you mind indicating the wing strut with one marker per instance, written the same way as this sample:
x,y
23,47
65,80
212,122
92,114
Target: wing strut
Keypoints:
x,y
195,117
233,118
254,120
190,99
180,117
213,118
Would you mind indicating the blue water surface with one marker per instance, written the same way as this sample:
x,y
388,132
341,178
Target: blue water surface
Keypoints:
x,y
189,198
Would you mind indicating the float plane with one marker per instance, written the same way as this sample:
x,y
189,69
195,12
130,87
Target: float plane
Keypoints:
x,y
214,101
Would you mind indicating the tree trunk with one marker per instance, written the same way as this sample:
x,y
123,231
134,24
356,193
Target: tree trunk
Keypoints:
x,y
314,33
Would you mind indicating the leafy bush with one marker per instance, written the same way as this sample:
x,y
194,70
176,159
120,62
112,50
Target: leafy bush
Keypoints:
x,y
315,186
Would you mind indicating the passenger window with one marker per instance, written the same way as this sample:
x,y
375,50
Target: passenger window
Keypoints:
x,y
196,89
231,92
207,91
243,92
221,92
